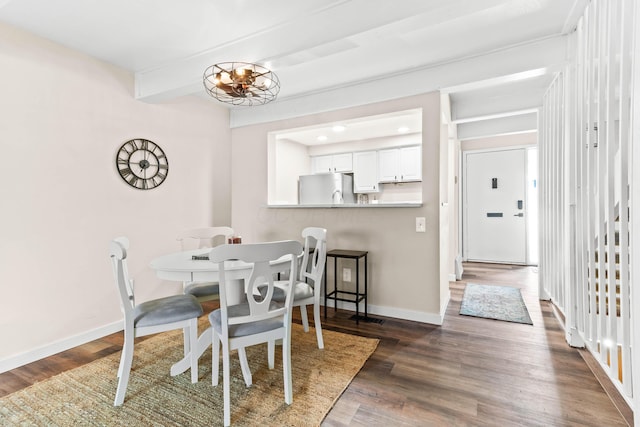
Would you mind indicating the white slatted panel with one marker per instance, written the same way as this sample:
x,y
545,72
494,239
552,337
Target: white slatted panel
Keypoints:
x,y
585,169
551,146
626,14
632,19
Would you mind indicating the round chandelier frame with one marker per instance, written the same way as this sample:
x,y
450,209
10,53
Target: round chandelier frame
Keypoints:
x,y
241,83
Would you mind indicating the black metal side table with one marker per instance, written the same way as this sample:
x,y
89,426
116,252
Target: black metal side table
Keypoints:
x,y
346,296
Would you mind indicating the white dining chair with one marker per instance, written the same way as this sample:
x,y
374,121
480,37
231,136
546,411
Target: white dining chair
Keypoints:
x,y
308,286
201,238
150,317
259,319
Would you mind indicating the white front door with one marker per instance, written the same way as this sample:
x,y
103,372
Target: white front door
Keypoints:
x,y
494,223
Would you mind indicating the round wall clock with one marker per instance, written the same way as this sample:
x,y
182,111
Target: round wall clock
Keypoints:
x,y
142,164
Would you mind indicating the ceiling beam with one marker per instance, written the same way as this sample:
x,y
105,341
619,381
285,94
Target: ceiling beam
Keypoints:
x,y
549,54
499,126
471,109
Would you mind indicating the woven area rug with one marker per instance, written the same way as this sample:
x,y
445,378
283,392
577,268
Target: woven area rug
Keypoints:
x,y
84,396
494,302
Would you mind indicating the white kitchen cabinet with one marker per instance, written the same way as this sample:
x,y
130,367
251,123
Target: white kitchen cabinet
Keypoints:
x,y
400,164
365,172
322,164
332,163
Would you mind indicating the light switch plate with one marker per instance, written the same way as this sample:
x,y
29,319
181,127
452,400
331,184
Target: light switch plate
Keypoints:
x,y
421,224
346,274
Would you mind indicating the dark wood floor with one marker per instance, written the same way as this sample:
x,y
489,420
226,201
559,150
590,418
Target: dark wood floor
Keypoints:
x,y
467,372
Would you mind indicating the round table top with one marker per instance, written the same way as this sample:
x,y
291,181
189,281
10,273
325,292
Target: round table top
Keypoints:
x,y
184,261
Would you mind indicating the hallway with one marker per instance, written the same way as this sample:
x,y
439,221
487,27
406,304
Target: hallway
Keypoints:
x,y
474,372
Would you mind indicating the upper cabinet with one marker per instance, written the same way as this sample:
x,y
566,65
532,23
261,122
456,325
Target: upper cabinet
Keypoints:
x,y
332,163
365,172
400,164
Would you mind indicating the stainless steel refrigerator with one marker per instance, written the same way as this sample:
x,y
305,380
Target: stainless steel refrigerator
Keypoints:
x,y
325,189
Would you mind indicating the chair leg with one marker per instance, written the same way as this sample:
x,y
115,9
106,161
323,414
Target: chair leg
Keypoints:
x,y
187,341
225,384
121,365
244,365
286,366
215,358
271,353
192,343
318,325
305,320
125,368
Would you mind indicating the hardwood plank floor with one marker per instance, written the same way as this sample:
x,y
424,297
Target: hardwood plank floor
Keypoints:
x,y
472,371
467,372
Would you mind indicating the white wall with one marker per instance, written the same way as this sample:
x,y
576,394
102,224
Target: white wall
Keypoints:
x,y
63,117
290,160
403,265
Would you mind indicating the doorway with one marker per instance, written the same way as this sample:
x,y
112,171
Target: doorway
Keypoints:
x,y
500,206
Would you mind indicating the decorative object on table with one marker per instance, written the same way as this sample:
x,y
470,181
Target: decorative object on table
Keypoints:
x,y
83,395
142,164
201,238
234,240
494,302
241,83
150,317
259,320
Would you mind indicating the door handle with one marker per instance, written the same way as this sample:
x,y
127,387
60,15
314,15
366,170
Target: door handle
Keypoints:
x,y
519,214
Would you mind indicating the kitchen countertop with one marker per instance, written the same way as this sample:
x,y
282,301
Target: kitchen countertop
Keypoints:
x,y
355,205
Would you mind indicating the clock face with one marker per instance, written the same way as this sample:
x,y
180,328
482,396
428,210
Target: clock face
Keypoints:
x,y
142,164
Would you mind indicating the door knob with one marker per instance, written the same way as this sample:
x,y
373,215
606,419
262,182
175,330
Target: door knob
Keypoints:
x,y
519,214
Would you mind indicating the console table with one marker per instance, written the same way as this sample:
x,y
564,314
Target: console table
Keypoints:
x,y
346,296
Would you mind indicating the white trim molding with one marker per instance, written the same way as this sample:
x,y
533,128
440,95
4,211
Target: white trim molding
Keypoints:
x,y
22,359
394,312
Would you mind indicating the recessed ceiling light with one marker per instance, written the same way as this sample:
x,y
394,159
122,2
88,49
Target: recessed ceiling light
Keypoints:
x,y
322,138
339,128
403,129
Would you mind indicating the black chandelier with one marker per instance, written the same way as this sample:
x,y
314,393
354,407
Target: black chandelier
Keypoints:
x,y
241,83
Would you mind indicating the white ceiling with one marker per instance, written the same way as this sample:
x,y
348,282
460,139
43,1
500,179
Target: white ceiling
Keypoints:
x,y
364,128
494,57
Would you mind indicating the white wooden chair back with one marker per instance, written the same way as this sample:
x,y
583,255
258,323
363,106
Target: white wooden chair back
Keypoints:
x,y
204,237
261,276
150,317
313,262
118,252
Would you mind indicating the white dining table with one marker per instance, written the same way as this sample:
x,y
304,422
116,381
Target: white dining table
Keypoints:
x,y
194,266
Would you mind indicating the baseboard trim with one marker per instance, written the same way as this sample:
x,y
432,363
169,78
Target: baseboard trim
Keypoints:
x,y
25,358
617,398
416,316
452,277
444,305
22,359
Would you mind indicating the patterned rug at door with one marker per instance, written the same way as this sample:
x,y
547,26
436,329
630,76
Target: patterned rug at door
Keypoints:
x,y
494,302
84,396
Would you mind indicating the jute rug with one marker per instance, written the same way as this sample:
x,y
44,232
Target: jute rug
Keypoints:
x,y
84,396
494,302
